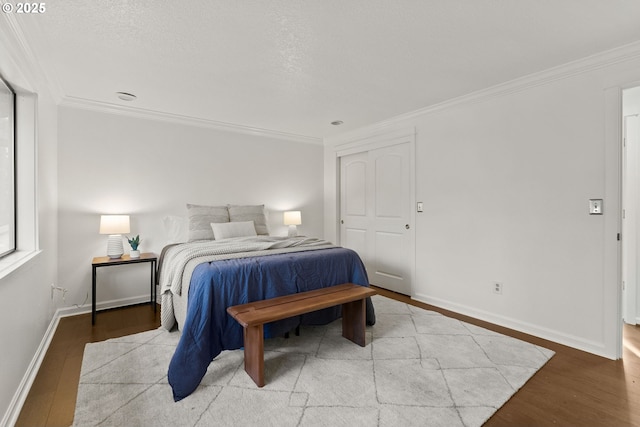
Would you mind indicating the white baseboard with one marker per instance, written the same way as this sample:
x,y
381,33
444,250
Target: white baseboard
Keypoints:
x,y
594,347
13,412
104,305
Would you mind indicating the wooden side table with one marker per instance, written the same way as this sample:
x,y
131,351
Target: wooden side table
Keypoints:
x,y
105,261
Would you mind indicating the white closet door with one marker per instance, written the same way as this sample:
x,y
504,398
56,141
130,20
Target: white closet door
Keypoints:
x,y
391,212
376,204
355,205
630,219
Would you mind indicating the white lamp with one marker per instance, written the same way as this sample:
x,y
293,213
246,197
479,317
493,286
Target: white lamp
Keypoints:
x,y
292,218
114,226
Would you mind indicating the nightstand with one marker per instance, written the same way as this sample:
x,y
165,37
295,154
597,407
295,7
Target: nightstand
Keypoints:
x,y
105,261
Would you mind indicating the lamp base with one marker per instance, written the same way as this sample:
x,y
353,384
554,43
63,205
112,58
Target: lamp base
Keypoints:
x,y
293,231
114,246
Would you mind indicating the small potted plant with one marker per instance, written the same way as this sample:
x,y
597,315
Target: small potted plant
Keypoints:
x,y
135,253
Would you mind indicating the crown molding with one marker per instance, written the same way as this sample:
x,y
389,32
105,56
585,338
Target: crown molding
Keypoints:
x,y
35,78
600,60
23,56
141,113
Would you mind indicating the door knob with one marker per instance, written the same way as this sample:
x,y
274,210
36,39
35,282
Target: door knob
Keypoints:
x,y
342,221
407,226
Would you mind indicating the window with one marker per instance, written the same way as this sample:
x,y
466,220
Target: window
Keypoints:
x,y
7,170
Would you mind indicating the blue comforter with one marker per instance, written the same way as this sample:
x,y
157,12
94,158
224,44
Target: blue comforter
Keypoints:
x,y
208,329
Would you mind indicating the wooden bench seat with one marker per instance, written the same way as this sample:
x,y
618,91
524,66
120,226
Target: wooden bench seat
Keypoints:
x,y
254,315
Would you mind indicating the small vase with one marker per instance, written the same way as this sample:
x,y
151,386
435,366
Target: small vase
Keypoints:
x,y
134,254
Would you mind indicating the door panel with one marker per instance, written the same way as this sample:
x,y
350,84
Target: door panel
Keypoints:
x,y
376,206
631,218
388,190
354,227
391,217
356,239
389,256
355,176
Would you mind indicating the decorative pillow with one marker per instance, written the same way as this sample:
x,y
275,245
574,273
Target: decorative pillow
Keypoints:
x,y
176,228
226,230
255,213
200,219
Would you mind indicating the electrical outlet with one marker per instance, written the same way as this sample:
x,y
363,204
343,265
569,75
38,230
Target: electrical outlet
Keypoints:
x,y
58,288
497,288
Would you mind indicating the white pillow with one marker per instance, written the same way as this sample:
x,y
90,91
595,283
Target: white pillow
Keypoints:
x,y
226,230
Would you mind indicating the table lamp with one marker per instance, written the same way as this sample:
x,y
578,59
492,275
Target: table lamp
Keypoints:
x,y
292,219
114,226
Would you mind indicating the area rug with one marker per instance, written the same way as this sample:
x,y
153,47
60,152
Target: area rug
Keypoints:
x,y
419,368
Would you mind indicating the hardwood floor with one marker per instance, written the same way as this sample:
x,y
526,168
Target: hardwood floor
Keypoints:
x,y
52,398
573,389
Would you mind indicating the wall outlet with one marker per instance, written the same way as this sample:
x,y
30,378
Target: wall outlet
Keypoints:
x,y
497,287
58,288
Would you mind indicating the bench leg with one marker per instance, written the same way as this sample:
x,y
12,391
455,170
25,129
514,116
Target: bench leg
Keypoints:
x,y
286,334
353,321
254,353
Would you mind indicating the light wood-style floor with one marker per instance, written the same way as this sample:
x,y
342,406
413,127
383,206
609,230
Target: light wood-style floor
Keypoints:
x,y
573,389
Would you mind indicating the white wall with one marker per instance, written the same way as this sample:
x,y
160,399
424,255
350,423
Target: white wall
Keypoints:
x,y
111,163
506,178
26,309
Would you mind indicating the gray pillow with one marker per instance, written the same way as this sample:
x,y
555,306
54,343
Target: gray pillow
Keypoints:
x,y
200,219
255,213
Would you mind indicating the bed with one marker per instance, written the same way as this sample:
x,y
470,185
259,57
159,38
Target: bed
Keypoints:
x,y
199,279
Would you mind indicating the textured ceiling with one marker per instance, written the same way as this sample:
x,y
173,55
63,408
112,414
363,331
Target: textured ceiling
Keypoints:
x,y
293,66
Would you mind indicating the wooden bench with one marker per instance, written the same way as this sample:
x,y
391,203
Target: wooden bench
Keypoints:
x,y
254,315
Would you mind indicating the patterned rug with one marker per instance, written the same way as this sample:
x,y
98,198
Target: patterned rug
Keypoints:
x,y
419,368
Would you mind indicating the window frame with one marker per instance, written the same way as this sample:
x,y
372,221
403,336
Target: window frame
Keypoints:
x,y
12,196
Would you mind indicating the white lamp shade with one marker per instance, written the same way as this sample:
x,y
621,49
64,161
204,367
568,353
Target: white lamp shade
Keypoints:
x,y
292,218
114,224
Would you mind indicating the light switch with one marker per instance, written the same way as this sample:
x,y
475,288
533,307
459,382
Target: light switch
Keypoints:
x,y
595,207
420,207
